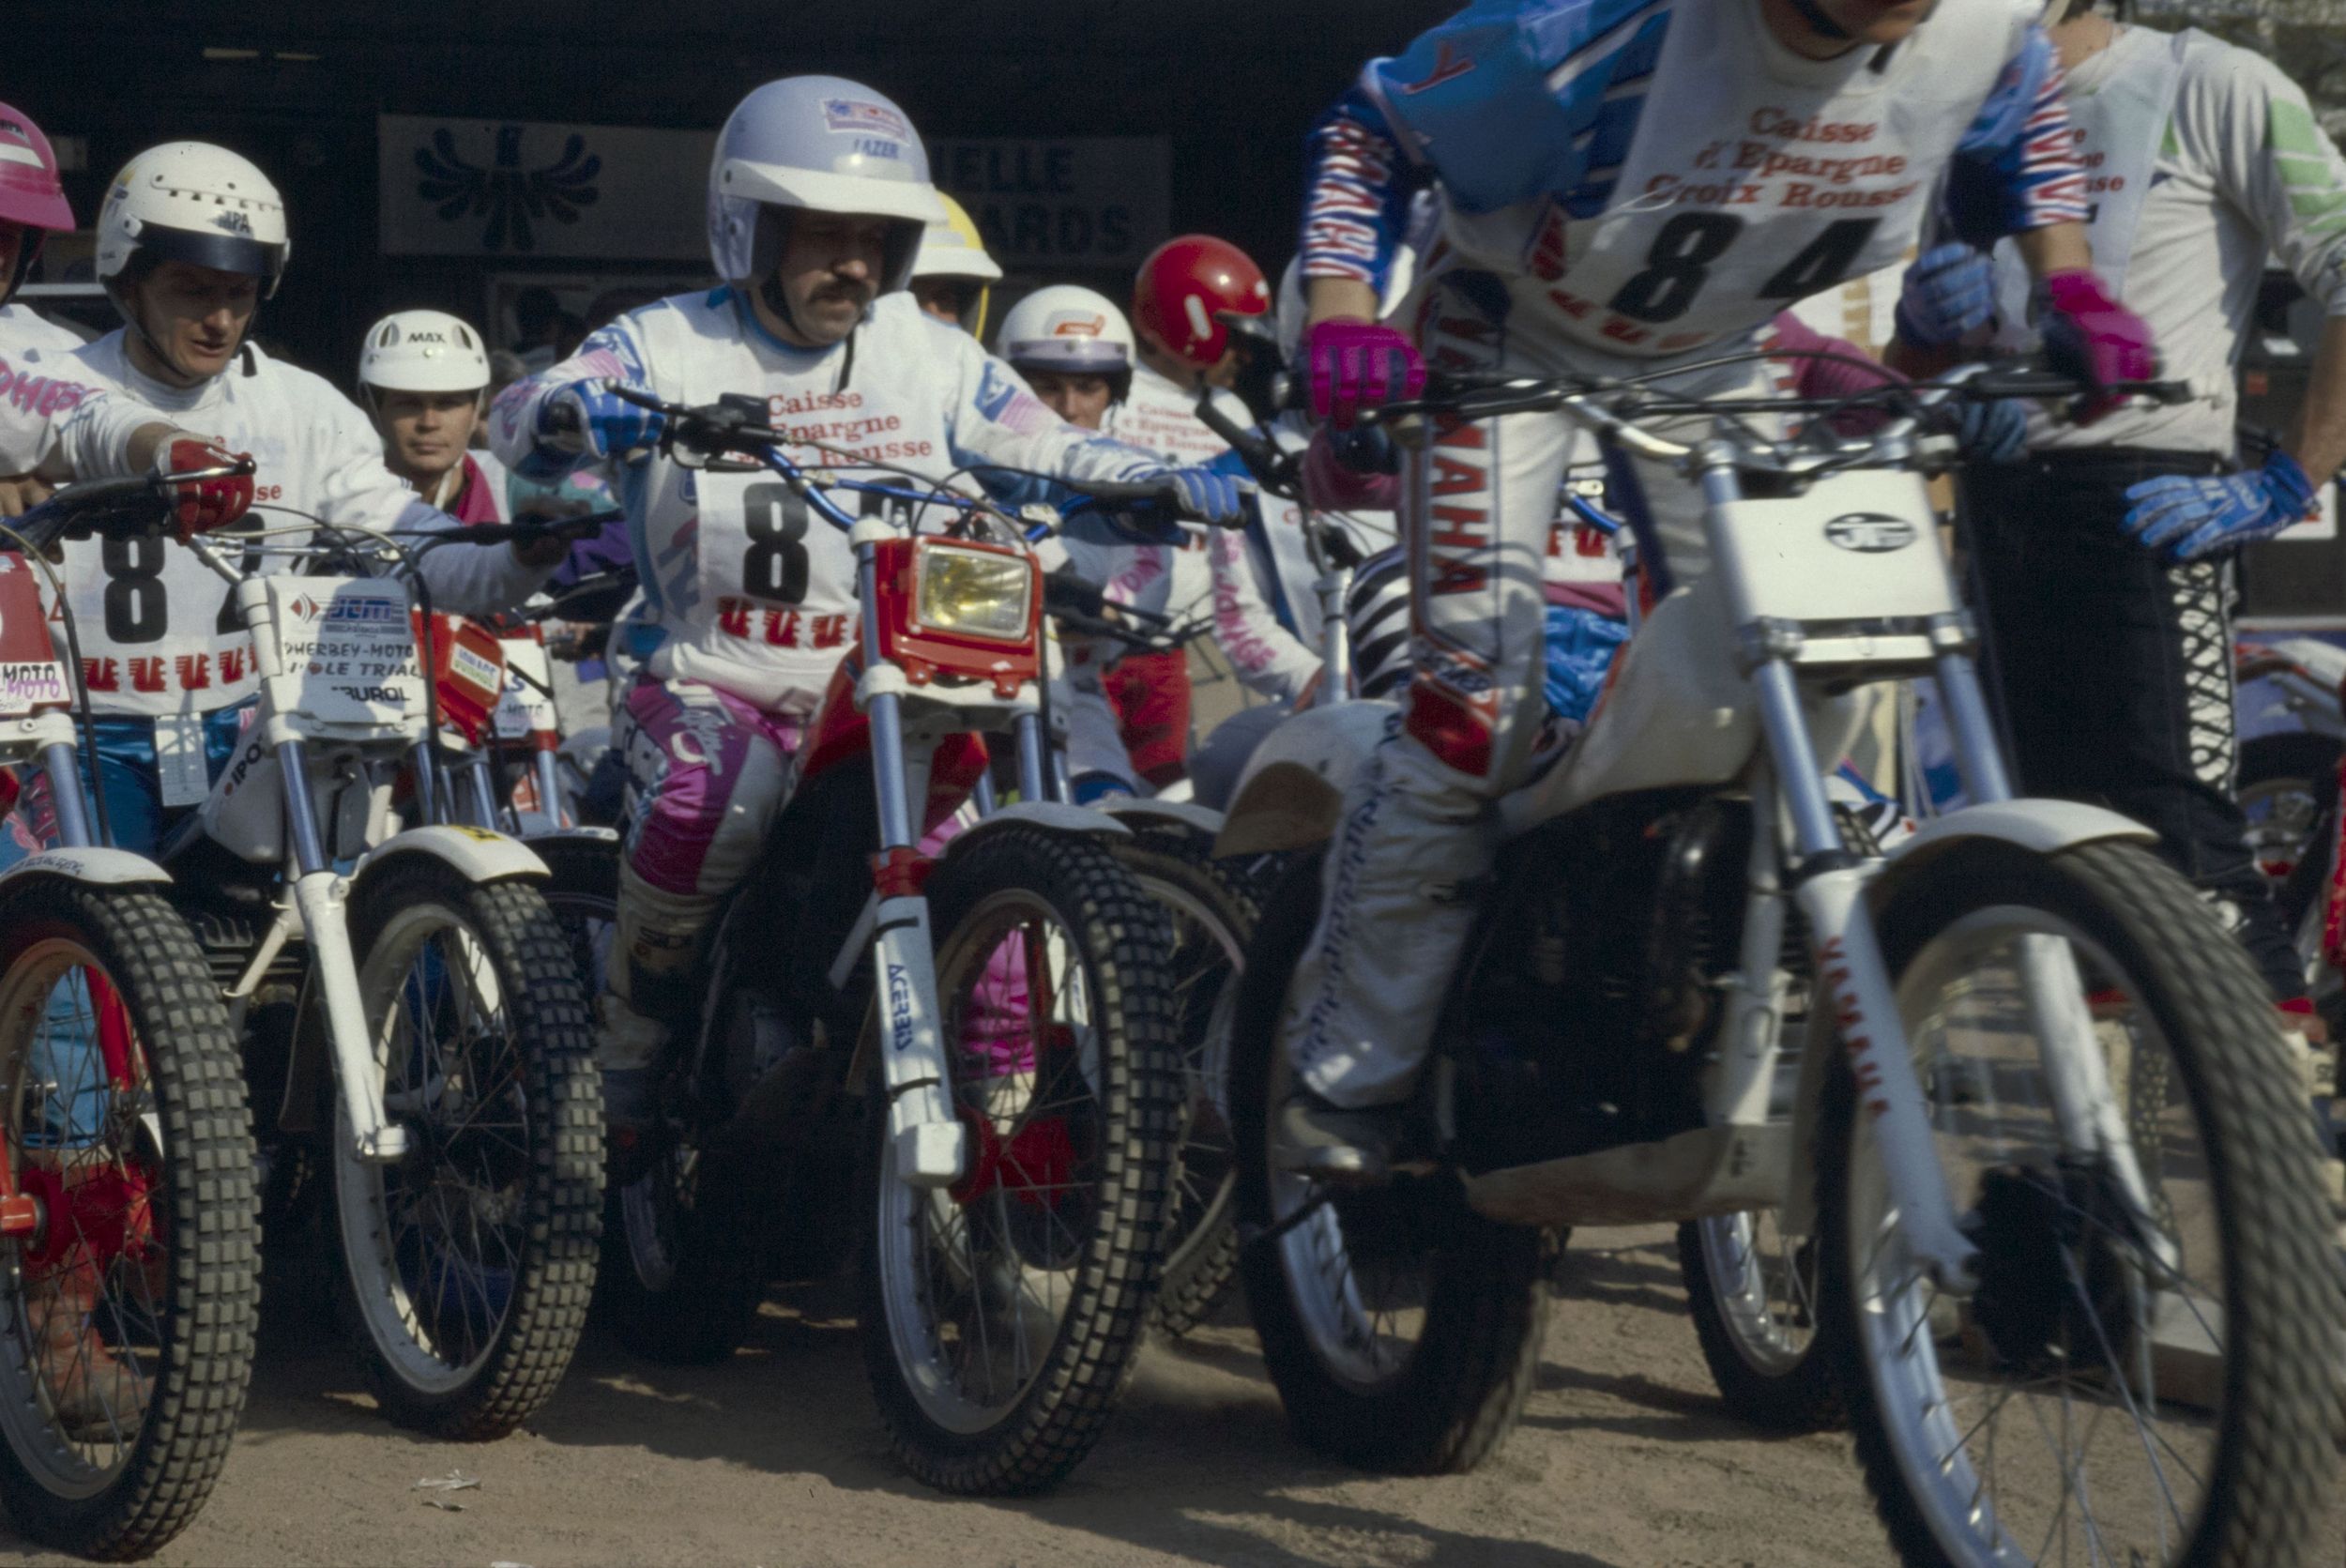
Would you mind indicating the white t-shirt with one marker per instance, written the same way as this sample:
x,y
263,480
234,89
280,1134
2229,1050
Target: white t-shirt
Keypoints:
x,y
159,635
25,332
756,594
2201,159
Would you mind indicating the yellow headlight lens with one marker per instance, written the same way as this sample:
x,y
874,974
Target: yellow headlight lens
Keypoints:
x,y
975,592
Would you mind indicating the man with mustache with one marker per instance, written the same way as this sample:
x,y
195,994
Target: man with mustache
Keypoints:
x,y
818,196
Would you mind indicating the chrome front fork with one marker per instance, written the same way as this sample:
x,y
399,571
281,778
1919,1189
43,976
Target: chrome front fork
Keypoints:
x,y
925,1136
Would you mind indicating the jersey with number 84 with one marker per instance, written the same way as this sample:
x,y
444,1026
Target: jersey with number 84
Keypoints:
x,y
1670,172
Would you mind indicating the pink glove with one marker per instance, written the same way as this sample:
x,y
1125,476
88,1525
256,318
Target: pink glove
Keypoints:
x,y
1357,365
1831,380
1330,486
2091,336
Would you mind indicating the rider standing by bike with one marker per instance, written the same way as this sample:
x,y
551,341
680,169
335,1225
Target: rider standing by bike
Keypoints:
x,y
1800,143
818,194
191,238
2105,555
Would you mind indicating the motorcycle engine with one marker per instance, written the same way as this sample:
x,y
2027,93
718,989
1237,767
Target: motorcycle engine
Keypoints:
x,y
1584,1013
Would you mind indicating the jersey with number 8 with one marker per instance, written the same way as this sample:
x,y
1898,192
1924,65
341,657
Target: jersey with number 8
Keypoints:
x,y
1670,173
755,592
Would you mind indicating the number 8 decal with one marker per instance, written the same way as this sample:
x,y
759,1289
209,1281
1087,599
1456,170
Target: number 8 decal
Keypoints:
x,y
136,610
774,568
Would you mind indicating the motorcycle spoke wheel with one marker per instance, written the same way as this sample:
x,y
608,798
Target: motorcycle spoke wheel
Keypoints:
x,y
1003,1312
470,1262
2098,1398
127,1310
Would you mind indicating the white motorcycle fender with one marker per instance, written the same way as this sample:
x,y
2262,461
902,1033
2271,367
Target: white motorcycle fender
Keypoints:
x,y
1291,791
1188,813
105,868
477,854
2039,826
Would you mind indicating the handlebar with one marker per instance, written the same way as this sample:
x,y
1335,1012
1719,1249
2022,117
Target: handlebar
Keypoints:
x,y
506,533
138,503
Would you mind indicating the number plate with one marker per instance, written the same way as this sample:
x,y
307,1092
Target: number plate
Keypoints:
x,y
349,643
1856,547
525,710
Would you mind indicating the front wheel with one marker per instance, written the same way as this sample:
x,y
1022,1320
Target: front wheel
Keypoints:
x,y
127,1312
2147,1371
469,1264
1401,1328
1002,1317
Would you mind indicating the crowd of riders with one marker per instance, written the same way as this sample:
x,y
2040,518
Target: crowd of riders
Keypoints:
x,y
1539,189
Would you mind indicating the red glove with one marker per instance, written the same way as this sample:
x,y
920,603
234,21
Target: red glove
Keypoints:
x,y
203,505
1357,365
2091,337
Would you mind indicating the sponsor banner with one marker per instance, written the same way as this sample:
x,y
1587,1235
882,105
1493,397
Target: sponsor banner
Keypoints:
x,y
541,190
1056,202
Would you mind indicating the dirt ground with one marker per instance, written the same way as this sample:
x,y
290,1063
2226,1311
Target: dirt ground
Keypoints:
x,y
776,1457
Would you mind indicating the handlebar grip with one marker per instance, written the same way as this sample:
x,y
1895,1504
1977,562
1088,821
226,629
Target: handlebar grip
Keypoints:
x,y
2050,386
1116,492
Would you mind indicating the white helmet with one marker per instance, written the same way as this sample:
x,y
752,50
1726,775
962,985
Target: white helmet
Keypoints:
x,y
193,202
1068,329
422,351
820,143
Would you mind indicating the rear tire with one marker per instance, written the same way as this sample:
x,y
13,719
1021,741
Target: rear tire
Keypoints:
x,y
1441,1402
175,1307
1756,1314
467,1331
1214,906
681,1279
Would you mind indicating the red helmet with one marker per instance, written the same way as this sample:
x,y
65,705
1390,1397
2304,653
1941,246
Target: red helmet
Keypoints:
x,y
1184,287
30,191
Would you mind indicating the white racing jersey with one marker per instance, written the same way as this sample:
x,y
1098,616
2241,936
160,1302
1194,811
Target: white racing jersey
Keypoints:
x,y
1159,416
158,633
2200,161
1266,591
756,594
29,337
1667,173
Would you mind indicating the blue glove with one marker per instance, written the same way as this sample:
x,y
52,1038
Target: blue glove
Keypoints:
x,y
1210,498
2189,518
1949,291
1994,432
584,416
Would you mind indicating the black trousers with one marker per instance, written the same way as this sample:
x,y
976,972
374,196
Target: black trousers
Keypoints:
x,y
2113,671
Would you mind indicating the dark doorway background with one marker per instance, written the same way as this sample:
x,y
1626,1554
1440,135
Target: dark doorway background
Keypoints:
x,y
296,88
